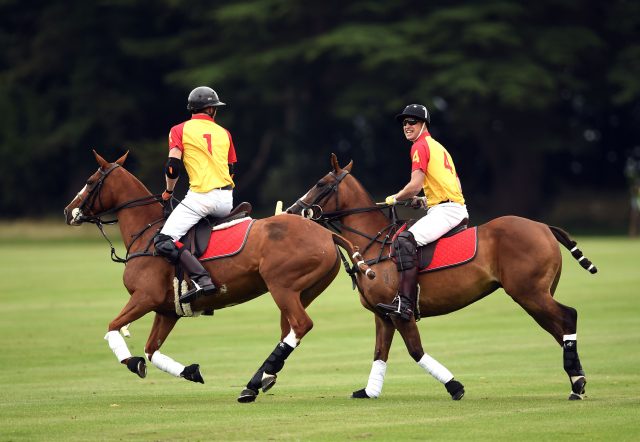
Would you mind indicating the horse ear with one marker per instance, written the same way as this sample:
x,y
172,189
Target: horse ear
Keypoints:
x,y
349,166
334,162
101,161
120,160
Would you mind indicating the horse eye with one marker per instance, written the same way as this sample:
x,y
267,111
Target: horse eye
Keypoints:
x,y
89,182
320,184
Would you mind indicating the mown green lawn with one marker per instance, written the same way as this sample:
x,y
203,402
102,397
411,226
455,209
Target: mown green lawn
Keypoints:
x,y
60,381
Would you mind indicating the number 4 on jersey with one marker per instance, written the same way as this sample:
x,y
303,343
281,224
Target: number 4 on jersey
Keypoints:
x,y
447,165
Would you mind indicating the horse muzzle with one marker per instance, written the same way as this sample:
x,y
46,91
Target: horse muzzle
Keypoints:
x,y
75,217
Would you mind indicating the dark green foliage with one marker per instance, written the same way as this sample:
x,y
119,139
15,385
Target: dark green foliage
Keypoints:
x,y
529,98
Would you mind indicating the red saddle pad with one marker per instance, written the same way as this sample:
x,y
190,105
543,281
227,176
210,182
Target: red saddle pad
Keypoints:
x,y
227,242
454,250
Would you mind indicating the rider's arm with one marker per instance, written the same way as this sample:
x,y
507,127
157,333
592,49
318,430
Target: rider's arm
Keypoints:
x,y
413,187
171,182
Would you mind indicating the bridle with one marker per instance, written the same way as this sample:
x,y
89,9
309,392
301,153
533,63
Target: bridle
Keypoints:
x,y
333,220
93,195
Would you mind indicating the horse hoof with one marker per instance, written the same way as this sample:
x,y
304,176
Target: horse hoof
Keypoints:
x,y
360,394
455,389
247,395
138,366
268,381
192,373
575,397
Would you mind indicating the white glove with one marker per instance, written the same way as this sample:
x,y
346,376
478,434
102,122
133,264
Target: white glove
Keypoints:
x,y
390,200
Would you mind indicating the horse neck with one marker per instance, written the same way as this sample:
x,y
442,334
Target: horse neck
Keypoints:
x,y
369,223
134,220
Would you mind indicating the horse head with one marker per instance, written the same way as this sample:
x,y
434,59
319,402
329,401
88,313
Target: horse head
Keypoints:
x,y
95,197
312,204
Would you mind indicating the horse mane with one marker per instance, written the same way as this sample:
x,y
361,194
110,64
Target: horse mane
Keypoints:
x,y
135,182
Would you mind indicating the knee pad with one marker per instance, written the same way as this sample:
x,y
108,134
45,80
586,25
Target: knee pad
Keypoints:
x,y
405,248
166,248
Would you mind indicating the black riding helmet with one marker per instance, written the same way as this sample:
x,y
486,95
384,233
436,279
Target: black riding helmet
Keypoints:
x,y
416,111
202,97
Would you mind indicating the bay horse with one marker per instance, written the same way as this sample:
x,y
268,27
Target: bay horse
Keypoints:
x,y
293,258
520,255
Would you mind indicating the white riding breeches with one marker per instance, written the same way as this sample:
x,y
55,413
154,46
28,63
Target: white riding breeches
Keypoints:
x,y
193,207
438,221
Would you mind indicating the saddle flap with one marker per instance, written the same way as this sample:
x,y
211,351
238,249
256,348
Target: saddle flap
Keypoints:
x,y
458,247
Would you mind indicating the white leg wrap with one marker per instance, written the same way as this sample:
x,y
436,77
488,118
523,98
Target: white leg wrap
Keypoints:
x,y
166,364
376,378
435,369
573,337
117,345
291,340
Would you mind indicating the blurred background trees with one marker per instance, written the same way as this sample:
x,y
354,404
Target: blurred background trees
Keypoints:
x,y
537,102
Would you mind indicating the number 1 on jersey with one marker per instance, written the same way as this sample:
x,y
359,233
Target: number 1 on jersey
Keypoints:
x,y
208,138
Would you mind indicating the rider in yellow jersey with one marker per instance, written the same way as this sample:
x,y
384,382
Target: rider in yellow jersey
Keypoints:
x,y
432,171
206,150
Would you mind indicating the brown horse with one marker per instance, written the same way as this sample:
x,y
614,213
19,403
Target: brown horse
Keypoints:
x,y
517,254
291,257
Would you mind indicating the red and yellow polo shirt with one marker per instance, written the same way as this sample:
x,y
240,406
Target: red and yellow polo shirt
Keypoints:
x,y
441,181
207,149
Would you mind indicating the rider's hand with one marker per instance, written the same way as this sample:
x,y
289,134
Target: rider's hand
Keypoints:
x,y
166,195
419,202
390,200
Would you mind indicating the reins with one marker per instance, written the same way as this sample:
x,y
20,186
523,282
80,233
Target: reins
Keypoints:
x,y
94,193
333,220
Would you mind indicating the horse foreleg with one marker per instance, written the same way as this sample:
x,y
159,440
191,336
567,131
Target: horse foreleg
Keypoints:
x,y
298,323
162,326
411,335
384,336
132,311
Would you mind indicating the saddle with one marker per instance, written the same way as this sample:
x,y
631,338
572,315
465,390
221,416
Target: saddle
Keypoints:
x,y
197,238
425,253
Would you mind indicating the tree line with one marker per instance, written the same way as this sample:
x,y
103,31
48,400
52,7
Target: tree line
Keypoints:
x,y
530,98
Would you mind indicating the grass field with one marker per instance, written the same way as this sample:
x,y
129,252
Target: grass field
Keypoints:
x,y
60,381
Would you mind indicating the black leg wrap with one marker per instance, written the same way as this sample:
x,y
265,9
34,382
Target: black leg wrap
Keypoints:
x,y
571,360
275,361
272,365
137,365
192,373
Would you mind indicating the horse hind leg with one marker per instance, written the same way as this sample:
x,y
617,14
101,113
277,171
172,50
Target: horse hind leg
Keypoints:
x,y
298,323
561,322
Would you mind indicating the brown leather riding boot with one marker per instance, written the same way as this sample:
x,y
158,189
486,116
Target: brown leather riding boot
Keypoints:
x,y
404,304
199,276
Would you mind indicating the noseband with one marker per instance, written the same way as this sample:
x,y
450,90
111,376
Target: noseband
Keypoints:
x,y
313,210
93,194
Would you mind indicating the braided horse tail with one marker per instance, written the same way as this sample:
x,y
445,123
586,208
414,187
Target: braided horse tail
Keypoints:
x,y
356,258
564,239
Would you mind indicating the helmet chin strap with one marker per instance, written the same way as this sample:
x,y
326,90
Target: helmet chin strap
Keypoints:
x,y
424,125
